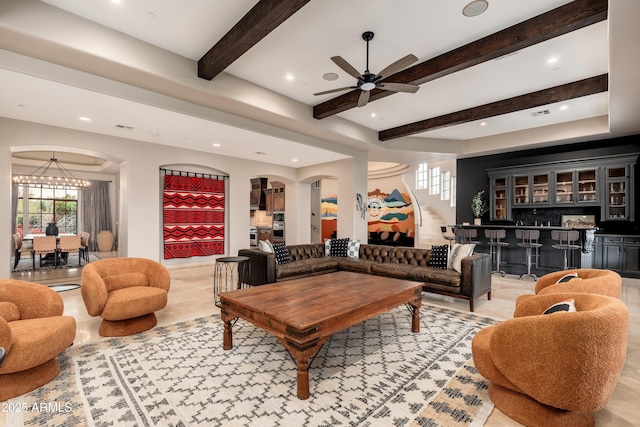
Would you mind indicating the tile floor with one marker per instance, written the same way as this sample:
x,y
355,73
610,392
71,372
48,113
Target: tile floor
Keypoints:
x,y
191,296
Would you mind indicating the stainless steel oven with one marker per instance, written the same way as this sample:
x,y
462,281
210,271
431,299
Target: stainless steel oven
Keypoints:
x,y
278,233
253,236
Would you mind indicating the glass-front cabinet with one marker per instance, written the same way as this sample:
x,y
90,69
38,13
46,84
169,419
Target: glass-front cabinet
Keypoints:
x,y
588,186
605,182
499,199
531,189
617,206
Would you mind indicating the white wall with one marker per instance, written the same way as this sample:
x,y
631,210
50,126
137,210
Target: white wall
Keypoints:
x,y
140,217
441,207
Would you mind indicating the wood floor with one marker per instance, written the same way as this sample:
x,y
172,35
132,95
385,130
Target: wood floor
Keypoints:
x,y
191,296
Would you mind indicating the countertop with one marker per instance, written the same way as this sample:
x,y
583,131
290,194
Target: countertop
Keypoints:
x,y
522,227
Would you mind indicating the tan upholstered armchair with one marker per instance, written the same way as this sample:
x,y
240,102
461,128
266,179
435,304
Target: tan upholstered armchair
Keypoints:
x,y
554,369
125,292
594,281
33,332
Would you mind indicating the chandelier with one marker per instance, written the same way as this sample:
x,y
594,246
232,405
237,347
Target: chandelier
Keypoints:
x,y
62,179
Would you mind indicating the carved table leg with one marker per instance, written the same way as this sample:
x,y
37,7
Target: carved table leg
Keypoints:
x,y
415,319
303,379
301,353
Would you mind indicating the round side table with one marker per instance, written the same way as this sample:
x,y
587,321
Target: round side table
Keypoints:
x,y
230,273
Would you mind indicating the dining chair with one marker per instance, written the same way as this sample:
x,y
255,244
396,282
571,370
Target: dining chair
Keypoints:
x,y
69,244
84,244
44,245
20,247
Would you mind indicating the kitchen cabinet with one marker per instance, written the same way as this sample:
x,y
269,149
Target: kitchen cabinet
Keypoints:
x,y
606,182
618,203
531,190
619,253
499,200
278,196
268,198
265,233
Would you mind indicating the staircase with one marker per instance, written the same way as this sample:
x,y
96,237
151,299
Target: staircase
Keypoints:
x,y
429,233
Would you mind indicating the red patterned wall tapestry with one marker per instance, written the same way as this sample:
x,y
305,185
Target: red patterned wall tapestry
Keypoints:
x,y
193,215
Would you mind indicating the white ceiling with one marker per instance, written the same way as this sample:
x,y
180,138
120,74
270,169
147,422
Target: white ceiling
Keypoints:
x,y
246,119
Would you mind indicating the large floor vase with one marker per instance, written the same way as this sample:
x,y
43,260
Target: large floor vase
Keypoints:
x,y
105,241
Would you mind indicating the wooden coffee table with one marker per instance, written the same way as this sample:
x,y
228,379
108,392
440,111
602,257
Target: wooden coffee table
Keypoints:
x,y
304,313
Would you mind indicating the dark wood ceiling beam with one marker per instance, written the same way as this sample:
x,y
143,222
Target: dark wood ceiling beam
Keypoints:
x,y
263,18
561,93
559,21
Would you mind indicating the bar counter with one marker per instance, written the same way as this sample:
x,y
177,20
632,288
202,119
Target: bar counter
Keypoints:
x,y
545,259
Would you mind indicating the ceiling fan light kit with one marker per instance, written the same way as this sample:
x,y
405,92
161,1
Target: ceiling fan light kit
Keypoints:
x,y
368,81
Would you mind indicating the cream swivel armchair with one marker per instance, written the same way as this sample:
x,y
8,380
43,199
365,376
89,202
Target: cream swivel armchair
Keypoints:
x,y
33,332
554,370
126,293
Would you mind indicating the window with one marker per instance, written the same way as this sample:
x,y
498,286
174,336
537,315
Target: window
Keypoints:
x,y
46,205
434,181
453,191
421,177
446,185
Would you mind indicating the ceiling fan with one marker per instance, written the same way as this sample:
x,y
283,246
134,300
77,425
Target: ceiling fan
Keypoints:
x,y
369,81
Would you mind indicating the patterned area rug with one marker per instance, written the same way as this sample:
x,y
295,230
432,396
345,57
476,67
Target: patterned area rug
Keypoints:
x,y
377,373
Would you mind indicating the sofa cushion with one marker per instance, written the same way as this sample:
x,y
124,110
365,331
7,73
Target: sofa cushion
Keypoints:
x,y
265,245
133,302
447,278
339,247
282,253
305,251
125,280
439,257
378,253
353,249
356,265
459,252
305,267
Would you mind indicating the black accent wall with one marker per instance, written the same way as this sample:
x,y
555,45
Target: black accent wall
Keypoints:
x,y
472,177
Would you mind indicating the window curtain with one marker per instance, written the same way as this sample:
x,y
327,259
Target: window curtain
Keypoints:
x,y
96,210
193,214
14,208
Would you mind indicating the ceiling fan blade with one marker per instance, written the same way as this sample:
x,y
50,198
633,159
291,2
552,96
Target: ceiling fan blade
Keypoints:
x,y
399,87
346,67
397,66
363,99
340,89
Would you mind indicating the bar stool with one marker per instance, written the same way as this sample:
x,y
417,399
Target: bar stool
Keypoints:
x,y
466,235
565,243
529,241
450,237
495,245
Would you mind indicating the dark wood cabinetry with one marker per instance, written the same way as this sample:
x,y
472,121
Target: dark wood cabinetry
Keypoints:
x,y
265,233
278,196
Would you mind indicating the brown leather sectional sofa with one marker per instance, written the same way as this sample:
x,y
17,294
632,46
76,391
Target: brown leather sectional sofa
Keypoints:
x,y
398,262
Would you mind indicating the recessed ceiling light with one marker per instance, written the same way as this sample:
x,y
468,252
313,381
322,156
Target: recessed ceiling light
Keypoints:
x,y
85,119
483,123
552,60
330,77
564,107
373,114
475,8
216,145
294,160
115,1
289,77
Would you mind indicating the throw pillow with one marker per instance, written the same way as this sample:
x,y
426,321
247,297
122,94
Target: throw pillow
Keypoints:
x,y
353,249
439,257
568,306
265,245
339,247
327,247
459,252
282,253
567,277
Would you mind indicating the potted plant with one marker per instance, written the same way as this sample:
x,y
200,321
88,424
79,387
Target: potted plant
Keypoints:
x,y
479,207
